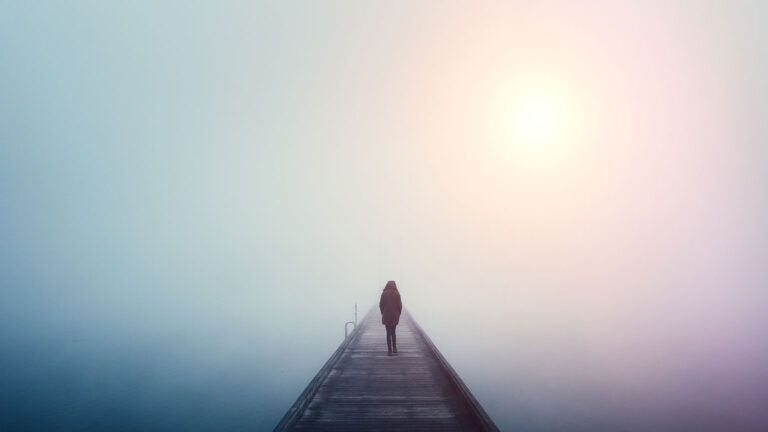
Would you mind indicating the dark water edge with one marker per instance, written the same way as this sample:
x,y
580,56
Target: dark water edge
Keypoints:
x,y
234,378
91,385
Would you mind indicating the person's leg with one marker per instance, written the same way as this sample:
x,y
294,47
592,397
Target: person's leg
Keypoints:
x,y
389,339
394,339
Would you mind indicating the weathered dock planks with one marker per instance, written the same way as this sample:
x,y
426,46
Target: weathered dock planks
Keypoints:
x,y
360,388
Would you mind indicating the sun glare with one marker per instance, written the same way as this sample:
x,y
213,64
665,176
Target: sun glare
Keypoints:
x,y
538,118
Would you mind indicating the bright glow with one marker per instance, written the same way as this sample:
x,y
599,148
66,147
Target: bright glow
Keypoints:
x,y
539,118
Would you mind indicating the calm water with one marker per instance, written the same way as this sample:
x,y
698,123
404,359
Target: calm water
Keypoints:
x,y
243,375
227,377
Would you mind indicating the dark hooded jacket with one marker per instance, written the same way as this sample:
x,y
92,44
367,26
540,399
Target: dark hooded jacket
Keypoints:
x,y
390,305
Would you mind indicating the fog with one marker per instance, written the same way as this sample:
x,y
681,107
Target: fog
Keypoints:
x,y
194,196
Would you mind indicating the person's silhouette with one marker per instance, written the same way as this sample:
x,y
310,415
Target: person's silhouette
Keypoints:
x,y
390,306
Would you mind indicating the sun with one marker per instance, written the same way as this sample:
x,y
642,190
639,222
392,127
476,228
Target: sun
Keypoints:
x,y
538,118
536,122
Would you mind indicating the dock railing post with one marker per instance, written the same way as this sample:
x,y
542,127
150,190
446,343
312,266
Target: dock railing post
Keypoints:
x,y
354,324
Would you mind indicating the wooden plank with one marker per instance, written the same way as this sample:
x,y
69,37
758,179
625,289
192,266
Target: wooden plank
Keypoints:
x,y
361,388
482,420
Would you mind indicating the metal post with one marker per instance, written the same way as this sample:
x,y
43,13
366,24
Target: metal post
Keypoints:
x,y
354,324
346,327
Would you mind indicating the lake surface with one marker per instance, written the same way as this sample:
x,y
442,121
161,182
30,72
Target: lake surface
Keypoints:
x,y
219,375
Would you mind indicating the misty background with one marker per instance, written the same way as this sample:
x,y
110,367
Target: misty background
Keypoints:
x,y
194,195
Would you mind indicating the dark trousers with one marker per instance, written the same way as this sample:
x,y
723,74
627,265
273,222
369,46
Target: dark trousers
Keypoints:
x,y
391,338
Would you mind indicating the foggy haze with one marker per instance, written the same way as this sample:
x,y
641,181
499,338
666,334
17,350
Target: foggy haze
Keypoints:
x,y
193,197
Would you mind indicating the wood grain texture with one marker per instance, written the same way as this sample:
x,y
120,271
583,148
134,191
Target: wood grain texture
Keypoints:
x,y
361,388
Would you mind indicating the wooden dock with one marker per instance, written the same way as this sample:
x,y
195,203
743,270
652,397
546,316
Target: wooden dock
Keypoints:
x,y
360,388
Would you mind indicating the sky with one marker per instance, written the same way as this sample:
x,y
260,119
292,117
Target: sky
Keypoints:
x,y
570,195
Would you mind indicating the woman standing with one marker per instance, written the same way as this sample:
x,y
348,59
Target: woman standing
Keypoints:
x,y
390,307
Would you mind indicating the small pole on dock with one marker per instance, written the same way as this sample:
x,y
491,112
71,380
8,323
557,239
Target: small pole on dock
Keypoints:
x,y
354,324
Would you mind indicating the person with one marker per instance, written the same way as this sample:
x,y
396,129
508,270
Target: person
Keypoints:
x,y
390,306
